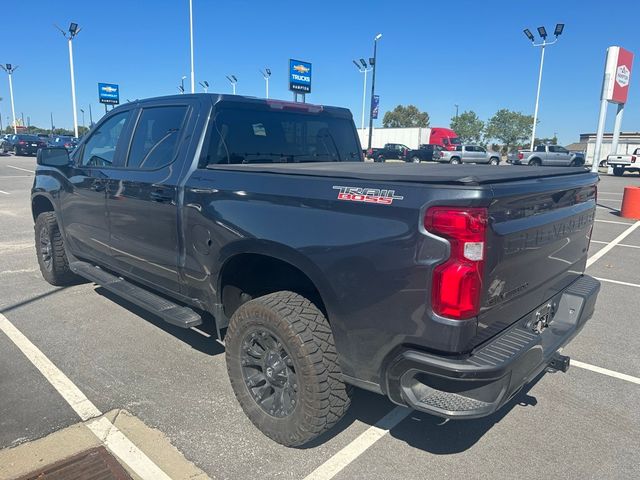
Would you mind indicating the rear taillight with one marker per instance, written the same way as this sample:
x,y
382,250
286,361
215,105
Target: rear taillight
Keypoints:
x,y
457,283
633,159
520,155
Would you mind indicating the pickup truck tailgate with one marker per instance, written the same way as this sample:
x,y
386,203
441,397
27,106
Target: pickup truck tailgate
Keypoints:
x,y
537,245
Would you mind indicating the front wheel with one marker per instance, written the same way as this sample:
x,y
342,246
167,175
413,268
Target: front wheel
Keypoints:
x,y
283,368
618,171
52,257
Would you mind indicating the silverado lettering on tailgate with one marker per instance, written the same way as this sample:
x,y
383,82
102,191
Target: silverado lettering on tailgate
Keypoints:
x,y
548,233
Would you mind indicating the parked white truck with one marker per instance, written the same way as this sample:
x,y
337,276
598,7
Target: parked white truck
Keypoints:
x,y
625,163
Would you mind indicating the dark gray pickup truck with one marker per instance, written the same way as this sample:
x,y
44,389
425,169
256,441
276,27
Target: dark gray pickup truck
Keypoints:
x,y
445,288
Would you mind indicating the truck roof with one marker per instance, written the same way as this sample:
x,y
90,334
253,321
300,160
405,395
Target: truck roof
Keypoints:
x,y
217,98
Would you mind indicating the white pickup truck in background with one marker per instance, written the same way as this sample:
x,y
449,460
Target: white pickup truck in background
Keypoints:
x,y
622,163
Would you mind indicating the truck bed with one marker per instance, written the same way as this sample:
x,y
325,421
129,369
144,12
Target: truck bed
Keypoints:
x,y
409,172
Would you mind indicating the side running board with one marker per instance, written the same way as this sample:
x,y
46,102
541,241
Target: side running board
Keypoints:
x,y
167,310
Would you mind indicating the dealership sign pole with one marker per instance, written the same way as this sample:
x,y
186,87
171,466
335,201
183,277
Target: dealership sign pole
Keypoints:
x,y
299,78
109,94
615,89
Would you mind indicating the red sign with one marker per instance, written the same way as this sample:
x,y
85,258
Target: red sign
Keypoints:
x,y
622,75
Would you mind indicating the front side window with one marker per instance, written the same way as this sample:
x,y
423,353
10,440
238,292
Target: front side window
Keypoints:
x,y
156,137
243,136
100,149
459,148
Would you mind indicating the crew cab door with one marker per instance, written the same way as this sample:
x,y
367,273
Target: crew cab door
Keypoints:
x,y
83,206
142,199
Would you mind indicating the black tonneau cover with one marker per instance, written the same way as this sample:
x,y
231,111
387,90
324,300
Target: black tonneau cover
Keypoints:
x,y
409,172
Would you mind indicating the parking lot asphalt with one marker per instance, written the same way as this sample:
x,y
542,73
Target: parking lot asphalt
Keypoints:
x,y
582,424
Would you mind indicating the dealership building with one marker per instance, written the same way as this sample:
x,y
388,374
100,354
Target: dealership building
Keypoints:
x,y
628,142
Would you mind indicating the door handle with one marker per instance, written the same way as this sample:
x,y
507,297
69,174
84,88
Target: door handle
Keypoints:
x,y
160,196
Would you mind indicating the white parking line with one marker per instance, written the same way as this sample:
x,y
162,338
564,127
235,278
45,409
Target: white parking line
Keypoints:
x,y
598,255
16,176
613,221
604,371
23,169
618,282
107,432
609,193
619,245
348,454
6,193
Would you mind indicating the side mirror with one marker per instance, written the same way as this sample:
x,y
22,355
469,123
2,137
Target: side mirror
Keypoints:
x,y
53,157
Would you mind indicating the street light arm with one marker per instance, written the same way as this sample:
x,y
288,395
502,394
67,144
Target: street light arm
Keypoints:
x,y
545,43
64,34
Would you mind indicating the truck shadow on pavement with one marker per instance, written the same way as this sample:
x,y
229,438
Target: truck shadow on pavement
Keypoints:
x,y
198,341
420,430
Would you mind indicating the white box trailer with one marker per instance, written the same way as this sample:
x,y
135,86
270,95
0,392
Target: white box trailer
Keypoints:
x,y
411,137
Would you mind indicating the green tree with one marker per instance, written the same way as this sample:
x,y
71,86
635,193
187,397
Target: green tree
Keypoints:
x,y
468,127
408,116
509,127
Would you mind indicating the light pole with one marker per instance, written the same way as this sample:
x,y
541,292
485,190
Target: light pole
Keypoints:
x,y
73,31
82,111
363,68
373,62
233,80
266,74
10,69
456,105
193,76
181,87
205,85
90,117
543,35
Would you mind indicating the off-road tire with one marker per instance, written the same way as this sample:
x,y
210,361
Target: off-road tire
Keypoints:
x,y
56,271
322,396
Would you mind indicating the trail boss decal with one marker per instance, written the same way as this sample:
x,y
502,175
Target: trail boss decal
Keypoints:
x,y
367,195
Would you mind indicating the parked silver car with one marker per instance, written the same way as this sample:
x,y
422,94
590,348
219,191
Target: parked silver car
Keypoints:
x,y
547,155
469,154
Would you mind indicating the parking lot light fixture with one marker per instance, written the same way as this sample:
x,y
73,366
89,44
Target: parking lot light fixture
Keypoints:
x,y
9,68
205,85
70,34
543,34
233,80
266,74
373,62
363,68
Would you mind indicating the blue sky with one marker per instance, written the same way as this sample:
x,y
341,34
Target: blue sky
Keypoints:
x,y
432,54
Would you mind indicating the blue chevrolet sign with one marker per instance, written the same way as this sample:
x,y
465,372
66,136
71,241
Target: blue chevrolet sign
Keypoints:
x,y
299,76
109,93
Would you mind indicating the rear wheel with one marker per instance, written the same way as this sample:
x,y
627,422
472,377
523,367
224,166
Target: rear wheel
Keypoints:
x,y
284,369
381,158
535,162
52,258
455,161
618,171
415,159
17,151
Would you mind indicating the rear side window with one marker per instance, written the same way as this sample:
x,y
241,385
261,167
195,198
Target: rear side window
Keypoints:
x,y
540,148
100,149
156,137
243,136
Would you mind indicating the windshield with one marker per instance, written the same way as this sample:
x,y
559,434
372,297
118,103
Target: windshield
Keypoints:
x,y
455,140
264,136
